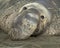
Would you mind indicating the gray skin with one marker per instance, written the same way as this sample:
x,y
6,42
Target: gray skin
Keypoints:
x,y
12,21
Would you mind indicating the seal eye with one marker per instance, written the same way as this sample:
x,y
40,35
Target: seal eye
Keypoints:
x,y
42,17
24,8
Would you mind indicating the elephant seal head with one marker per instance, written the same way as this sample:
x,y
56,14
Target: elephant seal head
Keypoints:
x,y
31,16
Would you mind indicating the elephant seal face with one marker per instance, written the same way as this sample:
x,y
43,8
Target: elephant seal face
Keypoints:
x,y
31,16
44,15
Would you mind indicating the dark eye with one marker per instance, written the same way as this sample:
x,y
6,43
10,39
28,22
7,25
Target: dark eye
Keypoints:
x,y
24,8
42,17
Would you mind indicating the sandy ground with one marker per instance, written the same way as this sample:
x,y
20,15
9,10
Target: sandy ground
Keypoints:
x,y
32,42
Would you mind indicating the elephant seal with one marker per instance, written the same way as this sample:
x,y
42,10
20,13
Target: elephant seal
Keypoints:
x,y
30,17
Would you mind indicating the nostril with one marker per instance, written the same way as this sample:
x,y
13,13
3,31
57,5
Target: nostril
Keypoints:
x,y
42,17
24,8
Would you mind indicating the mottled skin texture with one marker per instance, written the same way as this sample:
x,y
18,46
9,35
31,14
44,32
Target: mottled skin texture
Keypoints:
x,y
13,11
